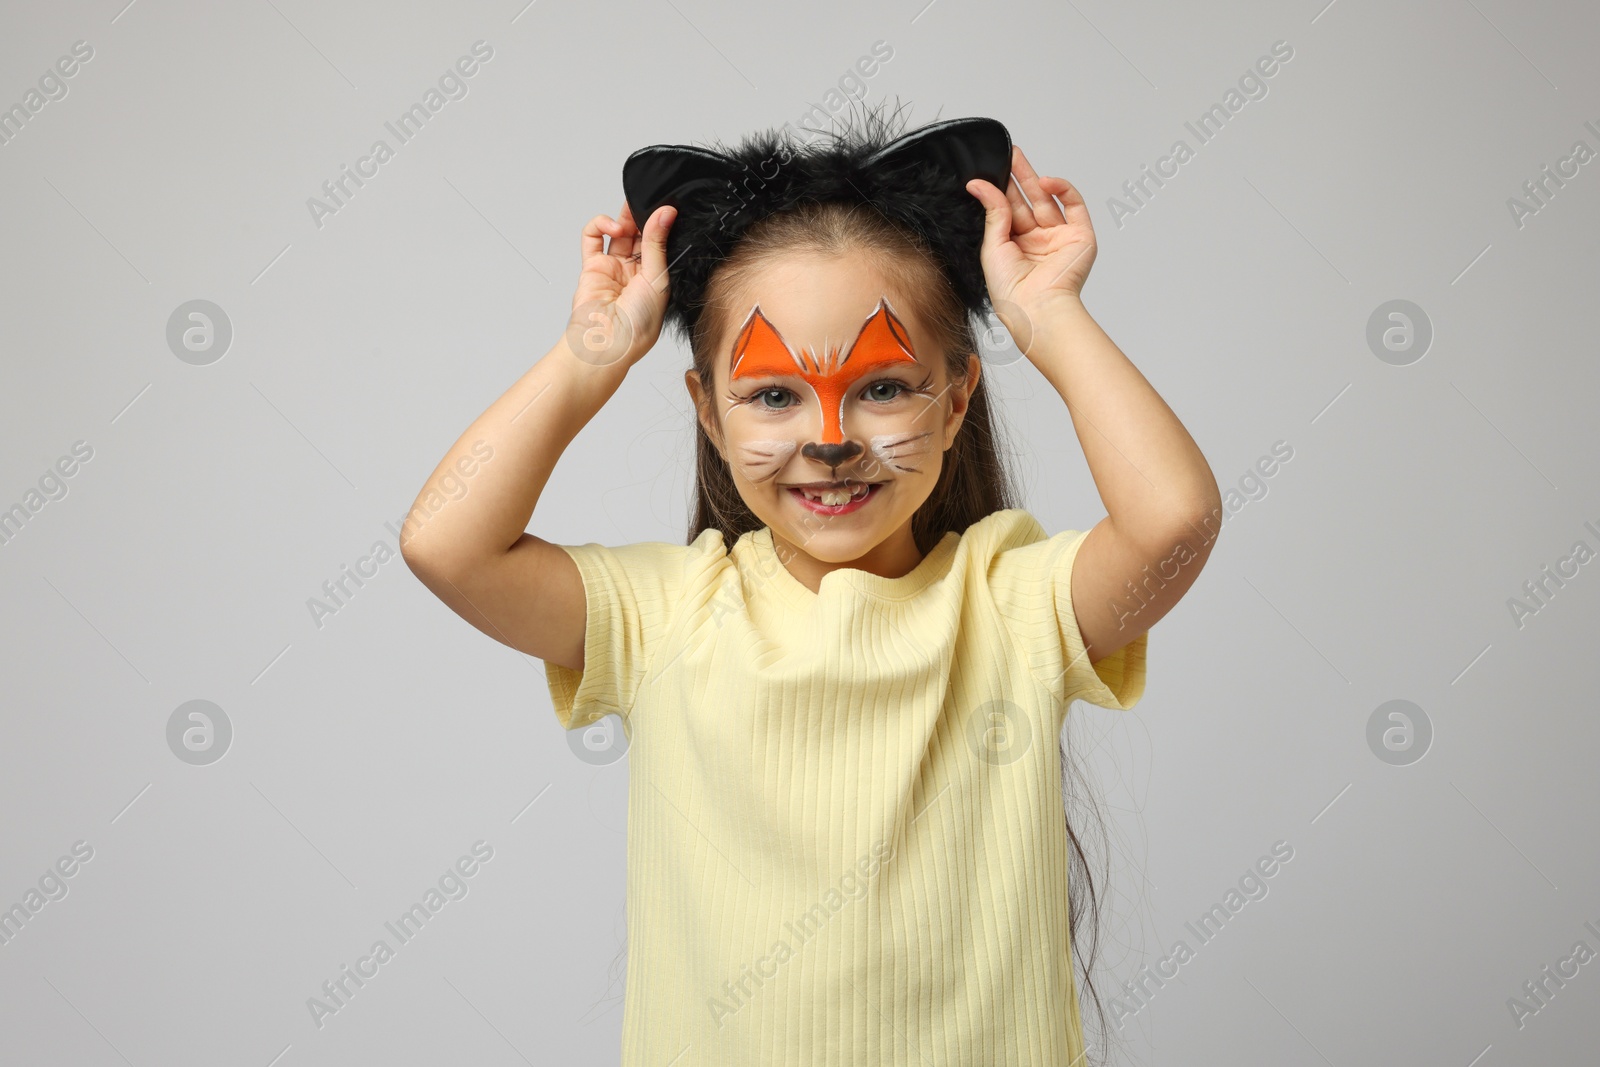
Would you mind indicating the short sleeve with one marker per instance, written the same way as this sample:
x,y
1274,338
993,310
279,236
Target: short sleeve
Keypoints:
x,y
630,592
1031,582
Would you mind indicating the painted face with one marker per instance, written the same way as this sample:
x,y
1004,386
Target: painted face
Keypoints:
x,y
831,418
872,386
760,352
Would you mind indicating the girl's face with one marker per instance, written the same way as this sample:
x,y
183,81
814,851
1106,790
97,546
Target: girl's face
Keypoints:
x,y
833,408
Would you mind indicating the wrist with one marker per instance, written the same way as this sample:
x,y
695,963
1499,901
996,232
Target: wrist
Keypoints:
x,y
1042,322
1054,306
586,381
602,335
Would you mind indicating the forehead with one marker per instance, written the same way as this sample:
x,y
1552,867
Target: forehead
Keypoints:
x,y
818,304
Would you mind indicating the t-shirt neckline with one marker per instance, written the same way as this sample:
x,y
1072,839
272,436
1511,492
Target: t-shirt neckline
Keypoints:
x,y
932,567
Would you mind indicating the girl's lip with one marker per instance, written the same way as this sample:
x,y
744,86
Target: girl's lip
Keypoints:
x,y
846,507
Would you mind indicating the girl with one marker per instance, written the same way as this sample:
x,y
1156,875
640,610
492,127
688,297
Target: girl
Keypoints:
x,y
845,837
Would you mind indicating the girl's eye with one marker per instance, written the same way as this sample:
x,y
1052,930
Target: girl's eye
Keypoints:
x,y
762,397
771,392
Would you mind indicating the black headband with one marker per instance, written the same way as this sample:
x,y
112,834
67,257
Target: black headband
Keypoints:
x,y
917,180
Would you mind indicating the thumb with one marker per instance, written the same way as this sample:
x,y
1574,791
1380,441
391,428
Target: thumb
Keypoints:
x,y
653,256
996,215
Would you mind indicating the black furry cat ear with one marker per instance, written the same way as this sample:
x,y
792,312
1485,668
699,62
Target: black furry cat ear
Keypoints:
x,y
673,173
670,173
916,181
968,148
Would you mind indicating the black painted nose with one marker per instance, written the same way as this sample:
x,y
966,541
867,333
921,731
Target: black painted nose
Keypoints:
x,y
833,455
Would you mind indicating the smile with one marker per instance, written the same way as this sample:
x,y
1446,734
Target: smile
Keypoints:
x,y
835,501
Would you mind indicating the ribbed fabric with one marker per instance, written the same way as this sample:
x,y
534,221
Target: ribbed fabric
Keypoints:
x,y
845,834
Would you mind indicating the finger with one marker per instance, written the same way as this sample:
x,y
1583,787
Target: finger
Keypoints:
x,y
1044,205
1073,206
1022,219
623,240
653,249
594,235
997,214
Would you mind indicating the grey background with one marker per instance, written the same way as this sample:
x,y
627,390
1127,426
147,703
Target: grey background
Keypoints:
x,y
370,753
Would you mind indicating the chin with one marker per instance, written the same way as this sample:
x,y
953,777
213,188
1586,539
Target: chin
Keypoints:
x,y
835,546
840,537
839,540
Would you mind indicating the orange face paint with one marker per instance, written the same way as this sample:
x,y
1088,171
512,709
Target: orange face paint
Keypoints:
x,y
760,352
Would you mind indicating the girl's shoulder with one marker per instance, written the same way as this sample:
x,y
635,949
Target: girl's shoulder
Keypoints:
x,y
709,543
1002,531
1009,545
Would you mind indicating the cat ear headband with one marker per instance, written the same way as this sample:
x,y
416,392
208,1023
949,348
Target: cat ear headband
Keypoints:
x,y
917,180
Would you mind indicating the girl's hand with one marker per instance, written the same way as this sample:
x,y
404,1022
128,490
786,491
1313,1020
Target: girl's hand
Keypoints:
x,y
622,291
1033,255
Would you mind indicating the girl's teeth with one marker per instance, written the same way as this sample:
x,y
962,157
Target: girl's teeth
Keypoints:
x,y
836,497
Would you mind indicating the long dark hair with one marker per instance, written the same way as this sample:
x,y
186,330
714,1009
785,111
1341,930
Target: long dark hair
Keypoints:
x,y
974,481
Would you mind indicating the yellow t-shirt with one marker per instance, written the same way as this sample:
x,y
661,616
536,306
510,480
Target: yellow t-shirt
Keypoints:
x,y
845,838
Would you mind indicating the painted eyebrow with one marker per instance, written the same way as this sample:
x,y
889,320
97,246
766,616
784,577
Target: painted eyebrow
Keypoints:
x,y
886,365
808,363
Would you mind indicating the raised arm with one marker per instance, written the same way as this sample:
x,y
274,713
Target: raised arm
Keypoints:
x,y
464,537
1161,497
